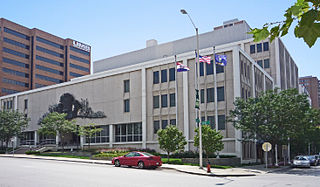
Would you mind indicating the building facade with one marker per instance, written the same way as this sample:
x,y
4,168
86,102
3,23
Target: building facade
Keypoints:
x,y
31,58
312,85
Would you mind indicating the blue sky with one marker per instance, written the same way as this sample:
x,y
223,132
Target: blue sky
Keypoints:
x,y
116,27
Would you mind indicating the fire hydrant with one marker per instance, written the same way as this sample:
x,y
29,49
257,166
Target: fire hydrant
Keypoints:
x,y
208,167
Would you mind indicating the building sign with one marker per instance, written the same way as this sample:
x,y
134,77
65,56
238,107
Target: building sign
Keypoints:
x,y
81,46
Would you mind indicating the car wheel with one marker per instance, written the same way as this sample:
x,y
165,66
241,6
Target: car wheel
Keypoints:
x,y
140,165
117,163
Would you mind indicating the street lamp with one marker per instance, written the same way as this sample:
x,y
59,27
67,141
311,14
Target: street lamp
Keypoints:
x,y
198,113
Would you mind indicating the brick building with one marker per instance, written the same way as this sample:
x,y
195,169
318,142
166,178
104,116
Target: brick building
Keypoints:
x,y
312,85
31,58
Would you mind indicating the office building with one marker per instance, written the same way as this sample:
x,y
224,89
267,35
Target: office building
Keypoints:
x,y
312,85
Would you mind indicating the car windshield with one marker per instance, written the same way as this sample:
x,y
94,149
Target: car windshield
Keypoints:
x,y
147,154
311,157
300,158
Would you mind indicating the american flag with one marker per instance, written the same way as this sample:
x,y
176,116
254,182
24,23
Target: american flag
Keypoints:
x,y
206,59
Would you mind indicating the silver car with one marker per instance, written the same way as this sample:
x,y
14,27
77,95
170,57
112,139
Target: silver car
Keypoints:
x,y
301,161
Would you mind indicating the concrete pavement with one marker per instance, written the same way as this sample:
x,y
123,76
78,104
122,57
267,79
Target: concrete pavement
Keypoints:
x,y
195,170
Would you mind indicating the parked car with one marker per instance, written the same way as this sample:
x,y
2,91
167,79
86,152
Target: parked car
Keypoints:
x,y
301,161
139,159
313,160
318,159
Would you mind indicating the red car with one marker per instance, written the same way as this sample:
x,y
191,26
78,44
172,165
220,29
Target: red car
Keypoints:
x,y
140,159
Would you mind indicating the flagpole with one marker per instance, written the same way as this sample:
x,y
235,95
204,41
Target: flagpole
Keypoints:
x,y
176,89
215,89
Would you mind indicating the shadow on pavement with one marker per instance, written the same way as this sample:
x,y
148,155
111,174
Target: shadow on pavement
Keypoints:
x,y
313,171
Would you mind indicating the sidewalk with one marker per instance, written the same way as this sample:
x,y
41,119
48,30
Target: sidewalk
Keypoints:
x,y
195,170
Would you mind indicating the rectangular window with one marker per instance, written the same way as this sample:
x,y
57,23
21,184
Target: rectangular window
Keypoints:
x,y
260,63
164,124
173,122
221,122
48,78
211,120
18,34
79,67
42,40
26,104
49,61
259,48
172,74
79,51
40,85
8,91
155,77
16,53
210,95
7,40
128,132
266,63
201,69
14,62
164,101
220,93
14,82
17,73
126,105
75,74
209,68
202,95
164,76
43,68
50,52
252,49
265,46
156,126
172,100
126,84
80,59
219,69
156,101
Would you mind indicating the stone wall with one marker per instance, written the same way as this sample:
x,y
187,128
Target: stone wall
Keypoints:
x,y
215,161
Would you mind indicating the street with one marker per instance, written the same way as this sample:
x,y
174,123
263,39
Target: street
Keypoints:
x,y
16,172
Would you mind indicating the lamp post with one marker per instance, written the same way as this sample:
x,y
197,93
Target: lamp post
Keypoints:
x,y
198,113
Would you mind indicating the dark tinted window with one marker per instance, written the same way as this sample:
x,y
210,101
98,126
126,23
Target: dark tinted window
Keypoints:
x,y
266,46
49,61
211,120
75,74
156,77
79,51
156,101
16,53
14,62
79,67
42,40
220,93
126,85
43,68
172,74
173,122
8,91
260,63
221,122
156,126
252,49
202,95
164,75
14,82
172,100
210,95
164,124
79,59
18,34
7,40
164,100
13,72
209,68
259,48
201,69
48,51
219,69
126,105
48,78
266,63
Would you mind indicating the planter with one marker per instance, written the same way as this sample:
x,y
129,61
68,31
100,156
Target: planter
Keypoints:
x,y
214,161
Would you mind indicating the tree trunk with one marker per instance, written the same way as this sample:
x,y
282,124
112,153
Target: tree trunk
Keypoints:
x,y
168,156
61,138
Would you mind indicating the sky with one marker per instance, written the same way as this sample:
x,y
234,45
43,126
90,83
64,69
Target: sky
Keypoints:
x,y
116,27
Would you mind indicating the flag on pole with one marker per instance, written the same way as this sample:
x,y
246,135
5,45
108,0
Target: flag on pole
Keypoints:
x,y
221,60
206,59
182,67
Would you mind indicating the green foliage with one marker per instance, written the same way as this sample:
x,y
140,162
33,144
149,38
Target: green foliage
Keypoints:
x,y
109,155
89,131
176,161
211,140
32,152
307,14
12,123
55,123
171,139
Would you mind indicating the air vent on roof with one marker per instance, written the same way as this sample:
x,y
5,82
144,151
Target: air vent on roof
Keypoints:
x,y
152,42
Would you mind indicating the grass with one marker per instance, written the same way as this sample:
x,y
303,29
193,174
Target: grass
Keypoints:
x,y
179,162
56,154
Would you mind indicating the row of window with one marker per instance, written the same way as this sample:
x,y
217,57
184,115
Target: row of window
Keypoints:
x,y
209,68
79,67
99,137
210,95
14,62
48,78
221,121
164,100
49,61
164,76
7,105
15,33
79,51
42,40
164,124
7,40
16,53
14,72
128,132
126,105
264,63
43,68
40,85
79,59
75,74
50,52
8,91
258,47
14,82
126,86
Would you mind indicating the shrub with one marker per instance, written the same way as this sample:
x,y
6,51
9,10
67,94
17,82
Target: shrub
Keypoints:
x,y
172,161
32,152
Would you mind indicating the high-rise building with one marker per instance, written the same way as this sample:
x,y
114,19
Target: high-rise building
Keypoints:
x,y
32,58
312,85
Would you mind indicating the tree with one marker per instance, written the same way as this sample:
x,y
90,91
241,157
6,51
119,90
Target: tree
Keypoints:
x,y
171,139
89,131
12,123
274,117
211,140
307,15
55,123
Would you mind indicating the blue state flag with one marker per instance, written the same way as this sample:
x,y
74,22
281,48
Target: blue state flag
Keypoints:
x,y
221,60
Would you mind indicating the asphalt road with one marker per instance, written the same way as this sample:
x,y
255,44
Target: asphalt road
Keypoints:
x,y
16,172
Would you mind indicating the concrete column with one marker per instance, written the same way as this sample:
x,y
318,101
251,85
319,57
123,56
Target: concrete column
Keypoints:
x,y
237,93
277,63
144,108
57,139
110,136
35,138
186,125
82,138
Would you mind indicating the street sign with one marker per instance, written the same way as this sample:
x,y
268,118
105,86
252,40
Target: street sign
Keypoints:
x,y
205,122
266,146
